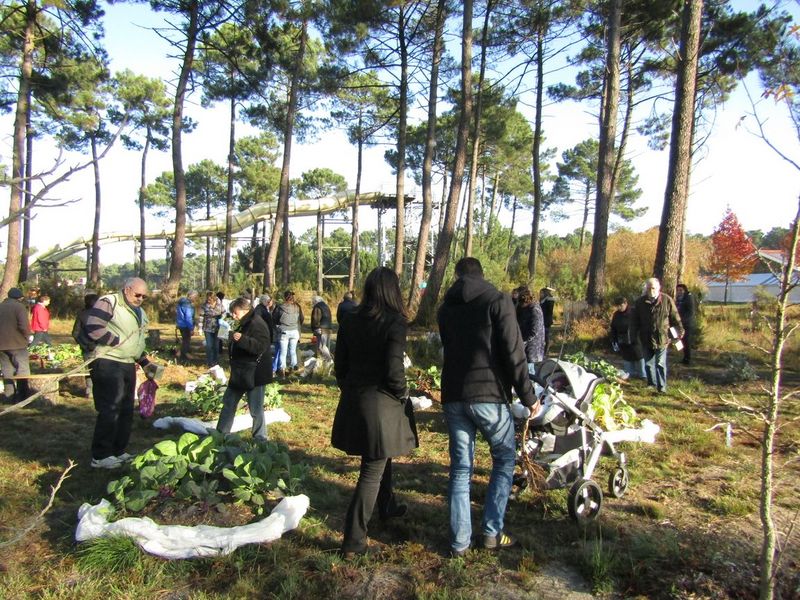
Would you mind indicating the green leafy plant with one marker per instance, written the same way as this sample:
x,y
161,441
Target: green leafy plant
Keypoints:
x,y
608,404
600,367
208,470
205,399
427,381
272,396
57,355
610,409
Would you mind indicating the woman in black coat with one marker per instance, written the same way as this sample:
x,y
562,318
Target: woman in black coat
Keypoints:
x,y
251,368
374,418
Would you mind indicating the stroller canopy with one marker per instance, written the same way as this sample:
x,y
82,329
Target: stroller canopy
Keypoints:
x,y
578,379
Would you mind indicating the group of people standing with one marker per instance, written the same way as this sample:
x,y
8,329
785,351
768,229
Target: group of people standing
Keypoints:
x,y
642,332
484,358
18,330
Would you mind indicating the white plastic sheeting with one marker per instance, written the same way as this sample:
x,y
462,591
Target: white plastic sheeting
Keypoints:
x,y
200,541
646,434
240,422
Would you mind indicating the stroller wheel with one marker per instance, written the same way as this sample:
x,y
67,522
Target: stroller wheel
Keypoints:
x,y
584,501
618,482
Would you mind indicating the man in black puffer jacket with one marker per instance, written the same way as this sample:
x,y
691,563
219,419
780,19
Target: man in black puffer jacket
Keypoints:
x,y
483,359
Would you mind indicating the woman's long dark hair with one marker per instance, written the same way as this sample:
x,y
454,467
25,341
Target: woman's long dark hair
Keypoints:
x,y
381,294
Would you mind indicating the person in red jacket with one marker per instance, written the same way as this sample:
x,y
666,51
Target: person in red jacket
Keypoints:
x,y
40,321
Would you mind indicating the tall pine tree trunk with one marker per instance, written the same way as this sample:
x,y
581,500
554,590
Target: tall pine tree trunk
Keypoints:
x,y
320,266
282,213
586,203
26,217
13,259
676,195
476,135
493,205
400,221
425,315
511,234
179,242
208,246
352,271
94,270
607,158
226,261
142,227
427,160
533,253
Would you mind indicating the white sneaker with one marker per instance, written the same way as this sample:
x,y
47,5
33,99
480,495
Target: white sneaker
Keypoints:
x,y
125,457
109,462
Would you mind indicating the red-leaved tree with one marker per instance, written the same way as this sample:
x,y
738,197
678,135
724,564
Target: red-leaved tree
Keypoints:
x,y
733,254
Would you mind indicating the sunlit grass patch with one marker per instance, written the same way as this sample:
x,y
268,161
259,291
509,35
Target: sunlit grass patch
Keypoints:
x,y
115,554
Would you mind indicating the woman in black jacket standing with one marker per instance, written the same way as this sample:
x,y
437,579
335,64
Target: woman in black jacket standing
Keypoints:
x,y
251,368
374,418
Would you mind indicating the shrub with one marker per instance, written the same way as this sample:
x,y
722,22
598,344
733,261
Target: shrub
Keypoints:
x,y
739,369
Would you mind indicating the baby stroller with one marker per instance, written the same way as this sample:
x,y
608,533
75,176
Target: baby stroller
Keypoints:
x,y
561,446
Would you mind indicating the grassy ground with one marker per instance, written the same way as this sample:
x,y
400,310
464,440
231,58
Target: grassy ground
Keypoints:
x,y
688,527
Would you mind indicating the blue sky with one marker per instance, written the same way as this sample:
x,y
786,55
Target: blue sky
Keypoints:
x,y
736,169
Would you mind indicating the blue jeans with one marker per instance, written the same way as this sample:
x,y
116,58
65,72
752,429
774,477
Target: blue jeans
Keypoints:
x,y
289,341
212,348
655,367
495,423
634,368
255,402
276,356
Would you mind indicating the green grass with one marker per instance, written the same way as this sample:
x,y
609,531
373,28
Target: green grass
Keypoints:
x,y
685,492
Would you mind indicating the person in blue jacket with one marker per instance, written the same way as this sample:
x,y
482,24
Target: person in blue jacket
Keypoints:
x,y
185,322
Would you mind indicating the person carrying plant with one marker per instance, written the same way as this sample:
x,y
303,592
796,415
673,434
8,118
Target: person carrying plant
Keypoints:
x,y
251,368
654,315
483,359
40,321
117,324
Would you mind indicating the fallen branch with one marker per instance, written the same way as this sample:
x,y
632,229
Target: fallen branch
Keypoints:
x,y
716,418
36,521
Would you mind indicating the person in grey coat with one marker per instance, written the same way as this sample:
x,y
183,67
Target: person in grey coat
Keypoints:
x,y
14,337
374,418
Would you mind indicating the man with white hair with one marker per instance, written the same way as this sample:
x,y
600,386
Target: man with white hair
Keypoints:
x,y
653,315
118,325
322,325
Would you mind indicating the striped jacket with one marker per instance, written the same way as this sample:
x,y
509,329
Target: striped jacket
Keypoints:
x,y
113,323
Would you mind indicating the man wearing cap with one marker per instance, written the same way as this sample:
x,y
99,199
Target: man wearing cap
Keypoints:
x,y
118,325
14,338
